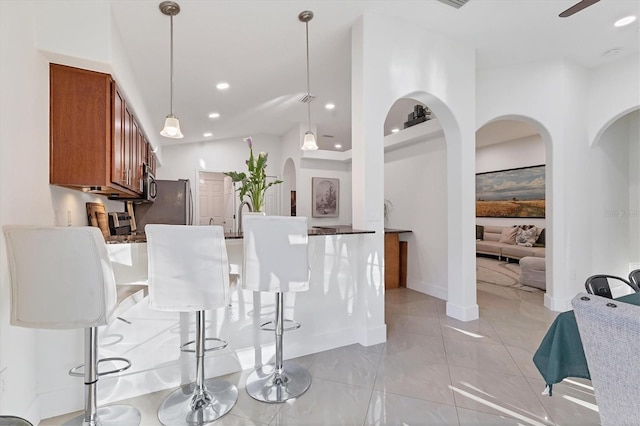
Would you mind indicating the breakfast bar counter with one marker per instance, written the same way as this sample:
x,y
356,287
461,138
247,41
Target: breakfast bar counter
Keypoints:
x,y
340,308
315,231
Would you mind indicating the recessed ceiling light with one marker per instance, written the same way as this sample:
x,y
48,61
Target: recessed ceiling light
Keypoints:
x,y
624,21
338,146
396,130
222,86
208,134
329,106
214,115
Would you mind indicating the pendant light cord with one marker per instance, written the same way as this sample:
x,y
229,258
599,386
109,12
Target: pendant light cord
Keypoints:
x,y
171,72
308,86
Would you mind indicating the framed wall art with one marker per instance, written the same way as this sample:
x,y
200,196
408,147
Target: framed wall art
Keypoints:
x,y
511,193
325,197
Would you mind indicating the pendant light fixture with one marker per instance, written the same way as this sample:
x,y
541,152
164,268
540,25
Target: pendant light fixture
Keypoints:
x,y
171,124
309,142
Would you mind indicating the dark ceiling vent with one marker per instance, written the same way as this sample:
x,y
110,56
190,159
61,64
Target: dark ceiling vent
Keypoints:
x,y
455,3
306,98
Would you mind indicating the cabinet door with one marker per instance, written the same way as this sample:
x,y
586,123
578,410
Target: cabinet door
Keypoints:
x,y
80,127
135,140
142,154
128,143
119,131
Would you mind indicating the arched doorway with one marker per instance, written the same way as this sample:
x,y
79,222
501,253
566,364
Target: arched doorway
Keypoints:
x,y
511,164
614,179
415,193
289,188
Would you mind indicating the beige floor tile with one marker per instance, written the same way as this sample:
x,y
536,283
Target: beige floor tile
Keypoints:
x,y
497,394
432,370
573,402
481,356
478,418
326,403
349,366
422,380
390,409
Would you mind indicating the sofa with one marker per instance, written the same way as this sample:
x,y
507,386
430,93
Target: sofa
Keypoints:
x,y
501,241
533,272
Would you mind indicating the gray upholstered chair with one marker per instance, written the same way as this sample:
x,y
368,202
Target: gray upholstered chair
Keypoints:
x,y
610,334
61,278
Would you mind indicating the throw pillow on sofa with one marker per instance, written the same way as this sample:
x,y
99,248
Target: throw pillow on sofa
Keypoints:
x,y
508,235
526,236
479,232
540,242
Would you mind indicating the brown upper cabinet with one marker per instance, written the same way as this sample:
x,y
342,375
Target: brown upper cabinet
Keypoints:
x,y
96,144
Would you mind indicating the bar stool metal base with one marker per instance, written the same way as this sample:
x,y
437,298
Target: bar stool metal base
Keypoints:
x,y
219,398
112,415
265,385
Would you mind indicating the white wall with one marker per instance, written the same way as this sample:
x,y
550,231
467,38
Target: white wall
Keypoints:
x,y
565,104
523,152
502,93
415,177
634,190
440,74
184,161
28,367
310,168
614,191
24,192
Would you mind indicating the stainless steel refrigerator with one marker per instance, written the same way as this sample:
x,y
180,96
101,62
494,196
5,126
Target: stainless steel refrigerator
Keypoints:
x,y
173,205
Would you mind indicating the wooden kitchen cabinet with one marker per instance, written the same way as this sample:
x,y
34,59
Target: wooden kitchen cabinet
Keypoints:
x,y
395,259
95,140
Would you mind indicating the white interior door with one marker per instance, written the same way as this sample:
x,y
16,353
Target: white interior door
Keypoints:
x,y
211,200
272,198
229,205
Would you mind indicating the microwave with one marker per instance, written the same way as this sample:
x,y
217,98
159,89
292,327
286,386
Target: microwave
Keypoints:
x,y
149,185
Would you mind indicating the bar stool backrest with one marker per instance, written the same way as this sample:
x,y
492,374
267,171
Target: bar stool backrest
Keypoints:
x,y
600,285
61,278
188,267
276,255
634,278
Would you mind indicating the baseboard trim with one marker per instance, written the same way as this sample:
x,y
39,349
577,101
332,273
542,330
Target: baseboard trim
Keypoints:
x,y
463,313
557,304
441,292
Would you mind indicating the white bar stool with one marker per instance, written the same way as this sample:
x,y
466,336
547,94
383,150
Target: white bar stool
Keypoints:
x,y
276,261
61,278
189,272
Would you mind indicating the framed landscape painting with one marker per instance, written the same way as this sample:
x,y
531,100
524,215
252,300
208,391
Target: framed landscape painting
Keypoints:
x,y
325,197
511,193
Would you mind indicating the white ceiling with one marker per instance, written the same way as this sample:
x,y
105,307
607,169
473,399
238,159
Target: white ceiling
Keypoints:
x,y
258,46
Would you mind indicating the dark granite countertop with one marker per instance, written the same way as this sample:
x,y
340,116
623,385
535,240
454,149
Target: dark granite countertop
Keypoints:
x,y
396,231
316,230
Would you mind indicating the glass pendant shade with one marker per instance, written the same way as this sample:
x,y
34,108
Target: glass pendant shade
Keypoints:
x,y
309,142
172,127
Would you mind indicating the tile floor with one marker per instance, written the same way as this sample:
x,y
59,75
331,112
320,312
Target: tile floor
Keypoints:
x,y
433,370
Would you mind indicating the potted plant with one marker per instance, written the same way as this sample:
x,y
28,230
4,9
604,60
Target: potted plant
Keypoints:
x,y
254,184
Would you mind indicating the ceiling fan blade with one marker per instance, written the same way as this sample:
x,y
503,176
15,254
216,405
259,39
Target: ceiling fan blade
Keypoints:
x,y
578,7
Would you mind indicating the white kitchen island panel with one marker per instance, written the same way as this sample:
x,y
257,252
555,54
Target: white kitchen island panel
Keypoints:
x,y
332,314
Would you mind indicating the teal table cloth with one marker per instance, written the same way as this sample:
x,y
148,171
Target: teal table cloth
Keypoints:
x,y
560,354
